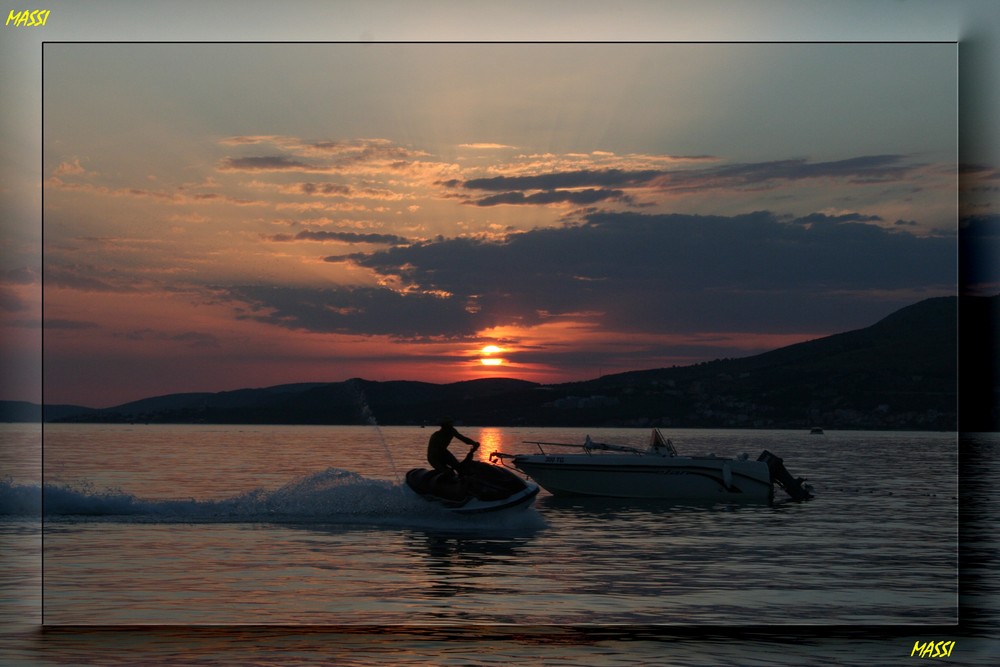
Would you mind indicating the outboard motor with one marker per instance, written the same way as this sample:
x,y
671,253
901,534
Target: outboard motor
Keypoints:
x,y
792,486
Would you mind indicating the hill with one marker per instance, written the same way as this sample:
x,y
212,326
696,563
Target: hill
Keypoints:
x,y
24,411
355,401
899,373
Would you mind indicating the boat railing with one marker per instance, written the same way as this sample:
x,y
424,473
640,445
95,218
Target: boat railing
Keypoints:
x,y
589,447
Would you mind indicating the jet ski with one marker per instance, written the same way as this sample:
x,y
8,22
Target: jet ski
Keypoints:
x,y
478,488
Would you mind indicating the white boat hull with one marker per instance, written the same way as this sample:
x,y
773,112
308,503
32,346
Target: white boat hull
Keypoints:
x,y
516,503
701,479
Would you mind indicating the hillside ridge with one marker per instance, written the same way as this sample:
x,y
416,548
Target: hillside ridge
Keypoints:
x,y
899,373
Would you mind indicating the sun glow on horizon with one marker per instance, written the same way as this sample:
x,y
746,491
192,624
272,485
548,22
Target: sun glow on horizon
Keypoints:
x,y
487,358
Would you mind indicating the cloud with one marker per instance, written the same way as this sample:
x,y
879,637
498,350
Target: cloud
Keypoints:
x,y
250,140
632,272
571,179
864,169
756,249
70,168
822,218
368,311
354,150
87,278
579,187
12,302
194,339
167,197
579,197
341,237
20,276
612,184
328,156
325,189
19,290
265,163
341,190
487,146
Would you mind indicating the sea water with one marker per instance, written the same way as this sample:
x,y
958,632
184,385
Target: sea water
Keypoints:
x,y
265,544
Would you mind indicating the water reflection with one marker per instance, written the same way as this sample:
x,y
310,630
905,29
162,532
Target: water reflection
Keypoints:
x,y
490,440
459,564
614,508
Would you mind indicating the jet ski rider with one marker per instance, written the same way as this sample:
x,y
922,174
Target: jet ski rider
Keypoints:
x,y
437,447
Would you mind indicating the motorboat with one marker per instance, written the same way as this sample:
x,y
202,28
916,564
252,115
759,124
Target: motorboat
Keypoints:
x,y
478,488
656,472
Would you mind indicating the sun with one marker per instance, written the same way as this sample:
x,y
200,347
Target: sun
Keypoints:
x,y
487,358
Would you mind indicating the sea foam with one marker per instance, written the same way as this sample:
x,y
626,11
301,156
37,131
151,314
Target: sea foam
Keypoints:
x,y
332,496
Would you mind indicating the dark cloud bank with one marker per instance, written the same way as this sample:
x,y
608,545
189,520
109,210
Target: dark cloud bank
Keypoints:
x,y
589,186
340,237
634,272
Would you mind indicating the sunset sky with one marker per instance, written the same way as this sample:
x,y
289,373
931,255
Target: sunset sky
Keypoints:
x,y
225,215
219,216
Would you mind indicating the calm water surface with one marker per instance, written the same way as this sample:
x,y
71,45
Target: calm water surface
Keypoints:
x,y
238,530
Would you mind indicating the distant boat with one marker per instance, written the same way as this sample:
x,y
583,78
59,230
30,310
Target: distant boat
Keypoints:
x,y
658,472
816,430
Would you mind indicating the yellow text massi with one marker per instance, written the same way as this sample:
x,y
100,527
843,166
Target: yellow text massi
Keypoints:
x,y
932,649
28,17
